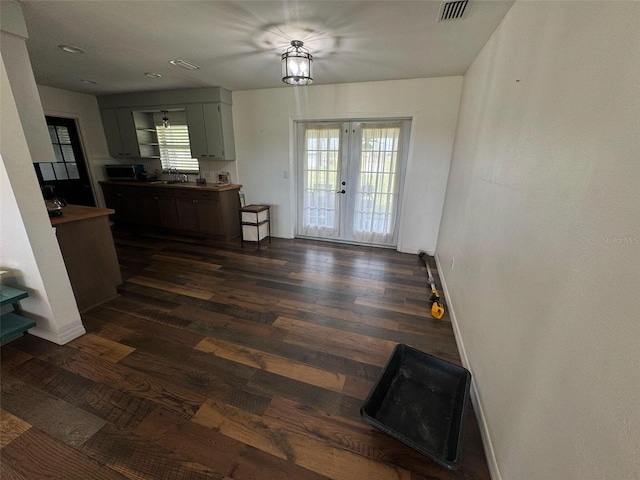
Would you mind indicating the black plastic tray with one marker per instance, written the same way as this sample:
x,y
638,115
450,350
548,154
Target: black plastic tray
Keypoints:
x,y
422,401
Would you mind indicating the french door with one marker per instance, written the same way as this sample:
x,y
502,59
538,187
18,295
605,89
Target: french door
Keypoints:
x,y
350,180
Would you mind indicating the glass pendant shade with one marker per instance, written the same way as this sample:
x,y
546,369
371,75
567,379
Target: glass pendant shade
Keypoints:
x,y
296,65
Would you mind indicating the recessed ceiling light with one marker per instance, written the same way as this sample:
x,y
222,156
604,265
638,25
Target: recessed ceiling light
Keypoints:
x,y
71,49
153,75
184,64
90,82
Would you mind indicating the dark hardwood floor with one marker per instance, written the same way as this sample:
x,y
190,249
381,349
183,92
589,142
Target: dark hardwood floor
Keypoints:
x,y
227,363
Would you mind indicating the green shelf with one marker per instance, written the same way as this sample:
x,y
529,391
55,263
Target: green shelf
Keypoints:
x,y
11,295
13,326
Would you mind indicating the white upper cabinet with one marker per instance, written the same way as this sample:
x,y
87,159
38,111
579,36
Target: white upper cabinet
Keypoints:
x,y
209,120
211,131
228,140
120,132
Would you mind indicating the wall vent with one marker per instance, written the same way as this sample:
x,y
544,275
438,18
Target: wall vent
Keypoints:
x,y
452,10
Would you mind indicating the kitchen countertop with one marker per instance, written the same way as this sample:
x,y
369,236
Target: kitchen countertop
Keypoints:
x,y
189,185
75,213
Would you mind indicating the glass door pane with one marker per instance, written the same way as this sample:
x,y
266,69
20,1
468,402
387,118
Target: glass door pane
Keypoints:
x,y
321,171
377,187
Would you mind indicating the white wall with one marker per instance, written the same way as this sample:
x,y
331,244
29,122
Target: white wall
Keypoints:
x,y
84,109
263,127
28,247
23,84
542,215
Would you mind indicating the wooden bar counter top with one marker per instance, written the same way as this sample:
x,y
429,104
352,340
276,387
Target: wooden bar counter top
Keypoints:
x,y
75,213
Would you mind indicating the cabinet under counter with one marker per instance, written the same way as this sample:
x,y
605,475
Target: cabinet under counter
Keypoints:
x,y
185,208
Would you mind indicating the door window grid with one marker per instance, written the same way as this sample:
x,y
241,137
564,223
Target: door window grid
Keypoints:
x,y
64,167
320,202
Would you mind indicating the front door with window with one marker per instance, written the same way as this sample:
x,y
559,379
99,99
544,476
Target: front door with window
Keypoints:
x,y
350,180
67,172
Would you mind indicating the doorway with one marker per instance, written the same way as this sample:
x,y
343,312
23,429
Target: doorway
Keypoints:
x,y
68,173
350,178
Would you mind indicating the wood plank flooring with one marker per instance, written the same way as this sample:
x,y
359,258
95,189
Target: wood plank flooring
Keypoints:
x,y
219,362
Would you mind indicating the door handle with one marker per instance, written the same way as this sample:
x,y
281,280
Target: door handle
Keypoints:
x,y
341,191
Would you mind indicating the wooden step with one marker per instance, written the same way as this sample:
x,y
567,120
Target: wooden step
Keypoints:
x,y
13,326
11,295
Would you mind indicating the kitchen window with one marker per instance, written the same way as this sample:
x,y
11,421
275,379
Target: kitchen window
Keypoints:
x,y
173,141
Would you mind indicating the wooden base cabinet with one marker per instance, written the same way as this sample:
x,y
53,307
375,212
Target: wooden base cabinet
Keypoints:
x,y
168,212
209,218
187,214
151,212
200,212
197,211
125,200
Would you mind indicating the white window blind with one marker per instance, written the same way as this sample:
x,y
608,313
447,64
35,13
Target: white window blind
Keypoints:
x,y
175,150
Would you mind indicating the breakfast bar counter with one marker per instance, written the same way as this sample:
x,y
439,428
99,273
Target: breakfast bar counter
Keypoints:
x,y
86,243
75,213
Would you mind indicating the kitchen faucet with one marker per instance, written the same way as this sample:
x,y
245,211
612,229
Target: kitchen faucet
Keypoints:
x,y
175,177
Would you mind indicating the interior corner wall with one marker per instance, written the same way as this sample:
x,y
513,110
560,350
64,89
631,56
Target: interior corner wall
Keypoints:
x,y
84,109
539,243
263,128
28,247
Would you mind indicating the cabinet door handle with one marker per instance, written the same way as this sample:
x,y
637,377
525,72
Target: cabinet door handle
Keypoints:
x,y
341,191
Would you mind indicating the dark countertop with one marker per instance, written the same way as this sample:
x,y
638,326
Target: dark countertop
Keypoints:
x,y
188,185
75,213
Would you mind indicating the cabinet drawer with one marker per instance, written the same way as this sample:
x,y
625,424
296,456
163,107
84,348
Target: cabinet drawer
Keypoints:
x,y
185,193
208,195
196,194
164,192
126,191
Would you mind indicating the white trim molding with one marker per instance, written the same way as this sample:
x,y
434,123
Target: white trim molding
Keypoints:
x,y
68,333
492,462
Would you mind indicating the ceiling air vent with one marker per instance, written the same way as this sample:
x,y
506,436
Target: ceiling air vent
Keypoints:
x,y
452,10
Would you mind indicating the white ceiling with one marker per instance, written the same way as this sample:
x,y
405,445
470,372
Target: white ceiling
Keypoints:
x,y
238,44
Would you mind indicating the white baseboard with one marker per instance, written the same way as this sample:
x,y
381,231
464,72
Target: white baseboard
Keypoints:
x,y
67,334
492,462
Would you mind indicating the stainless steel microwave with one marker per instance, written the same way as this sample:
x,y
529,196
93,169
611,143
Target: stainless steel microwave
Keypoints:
x,y
124,172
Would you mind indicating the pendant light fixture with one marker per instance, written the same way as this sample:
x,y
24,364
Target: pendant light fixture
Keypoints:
x,y
165,119
296,64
